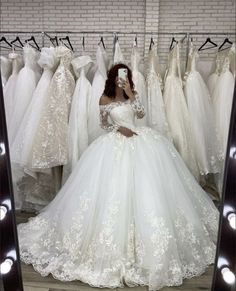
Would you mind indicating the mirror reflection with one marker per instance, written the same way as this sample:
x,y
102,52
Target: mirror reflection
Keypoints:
x,y
117,150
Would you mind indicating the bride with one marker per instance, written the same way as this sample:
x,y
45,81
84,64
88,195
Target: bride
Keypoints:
x,y
130,213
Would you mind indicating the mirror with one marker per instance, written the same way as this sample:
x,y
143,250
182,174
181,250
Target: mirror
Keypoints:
x,y
132,202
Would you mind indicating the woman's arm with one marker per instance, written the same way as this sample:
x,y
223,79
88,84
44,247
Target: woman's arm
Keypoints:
x,y
137,106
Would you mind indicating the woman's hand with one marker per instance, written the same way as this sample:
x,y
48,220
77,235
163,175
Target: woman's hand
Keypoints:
x,y
126,131
126,87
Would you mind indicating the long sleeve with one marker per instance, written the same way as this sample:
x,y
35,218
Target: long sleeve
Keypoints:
x,y
104,119
138,107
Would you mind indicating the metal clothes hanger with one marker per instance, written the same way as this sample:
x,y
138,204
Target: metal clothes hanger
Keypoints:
x,y
36,46
208,40
226,41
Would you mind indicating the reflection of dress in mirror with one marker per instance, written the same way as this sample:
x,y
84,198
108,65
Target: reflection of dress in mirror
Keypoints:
x,y
201,119
6,67
222,104
34,188
130,212
222,101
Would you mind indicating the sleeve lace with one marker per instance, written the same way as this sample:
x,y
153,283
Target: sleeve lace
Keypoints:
x,y
138,107
104,112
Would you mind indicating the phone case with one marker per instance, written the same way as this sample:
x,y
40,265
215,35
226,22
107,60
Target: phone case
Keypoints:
x,y
122,73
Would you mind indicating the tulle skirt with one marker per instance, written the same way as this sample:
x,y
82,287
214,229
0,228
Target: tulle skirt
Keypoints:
x,y
202,124
130,213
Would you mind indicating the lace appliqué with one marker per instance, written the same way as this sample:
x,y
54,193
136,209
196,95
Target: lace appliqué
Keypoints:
x,y
50,147
138,107
104,114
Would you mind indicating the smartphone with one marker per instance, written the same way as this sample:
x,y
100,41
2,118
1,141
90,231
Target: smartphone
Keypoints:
x,y
122,73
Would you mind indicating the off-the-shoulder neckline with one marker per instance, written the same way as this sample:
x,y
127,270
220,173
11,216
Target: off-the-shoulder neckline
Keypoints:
x,y
115,102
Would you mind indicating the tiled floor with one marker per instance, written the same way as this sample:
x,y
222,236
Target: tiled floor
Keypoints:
x,y
33,281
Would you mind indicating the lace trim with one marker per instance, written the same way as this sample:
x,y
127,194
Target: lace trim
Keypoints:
x,y
66,262
104,114
137,106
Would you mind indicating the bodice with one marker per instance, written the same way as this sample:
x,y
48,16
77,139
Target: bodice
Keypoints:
x,y
65,55
30,56
47,59
118,56
135,59
102,61
174,62
226,64
81,64
195,56
17,62
153,68
122,114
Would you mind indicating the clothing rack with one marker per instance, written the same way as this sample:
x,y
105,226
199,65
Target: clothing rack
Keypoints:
x,y
116,33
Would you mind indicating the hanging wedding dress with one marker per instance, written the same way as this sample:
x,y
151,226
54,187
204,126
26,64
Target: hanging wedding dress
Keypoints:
x,y
9,89
6,67
213,78
118,55
50,144
24,89
222,102
201,115
156,108
119,218
139,83
78,121
98,86
23,143
35,189
177,112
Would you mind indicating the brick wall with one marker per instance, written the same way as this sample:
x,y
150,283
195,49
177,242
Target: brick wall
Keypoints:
x,y
110,15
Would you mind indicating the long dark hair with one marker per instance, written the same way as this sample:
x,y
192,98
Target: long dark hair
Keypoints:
x,y
110,85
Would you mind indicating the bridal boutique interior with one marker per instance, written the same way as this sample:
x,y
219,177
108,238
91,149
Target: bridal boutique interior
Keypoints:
x,y
57,160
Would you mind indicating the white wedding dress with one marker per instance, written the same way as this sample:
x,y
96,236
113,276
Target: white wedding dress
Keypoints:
x,y
24,89
9,88
222,102
33,190
119,218
202,121
78,121
139,83
98,86
50,144
118,55
156,109
177,112
214,76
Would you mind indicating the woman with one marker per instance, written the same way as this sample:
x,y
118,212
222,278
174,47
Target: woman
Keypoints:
x,y
130,213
